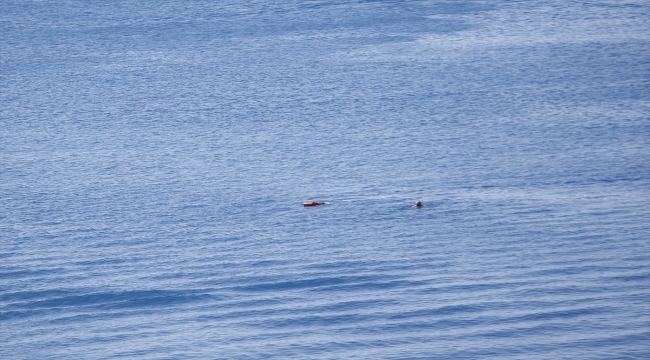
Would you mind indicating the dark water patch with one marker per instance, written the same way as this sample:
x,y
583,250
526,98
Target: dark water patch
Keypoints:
x,y
321,321
559,314
642,278
337,265
22,274
103,262
567,270
22,314
375,285
520,331
237,315
562,289
30,295
306,284
471,287
347,306
114,300
441,311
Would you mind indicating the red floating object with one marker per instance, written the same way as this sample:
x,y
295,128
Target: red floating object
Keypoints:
x,y
312,203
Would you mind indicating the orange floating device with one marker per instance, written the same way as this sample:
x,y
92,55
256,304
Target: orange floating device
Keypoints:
x,y
312,203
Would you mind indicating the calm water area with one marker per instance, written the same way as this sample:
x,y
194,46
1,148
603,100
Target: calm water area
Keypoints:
x,y
155,155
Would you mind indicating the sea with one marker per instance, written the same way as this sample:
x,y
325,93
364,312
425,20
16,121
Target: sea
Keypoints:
x,y
155,157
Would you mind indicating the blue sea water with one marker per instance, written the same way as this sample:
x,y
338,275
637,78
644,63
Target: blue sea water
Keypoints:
x,y
154,157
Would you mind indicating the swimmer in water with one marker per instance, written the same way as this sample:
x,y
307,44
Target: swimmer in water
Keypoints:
x,y
417,205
